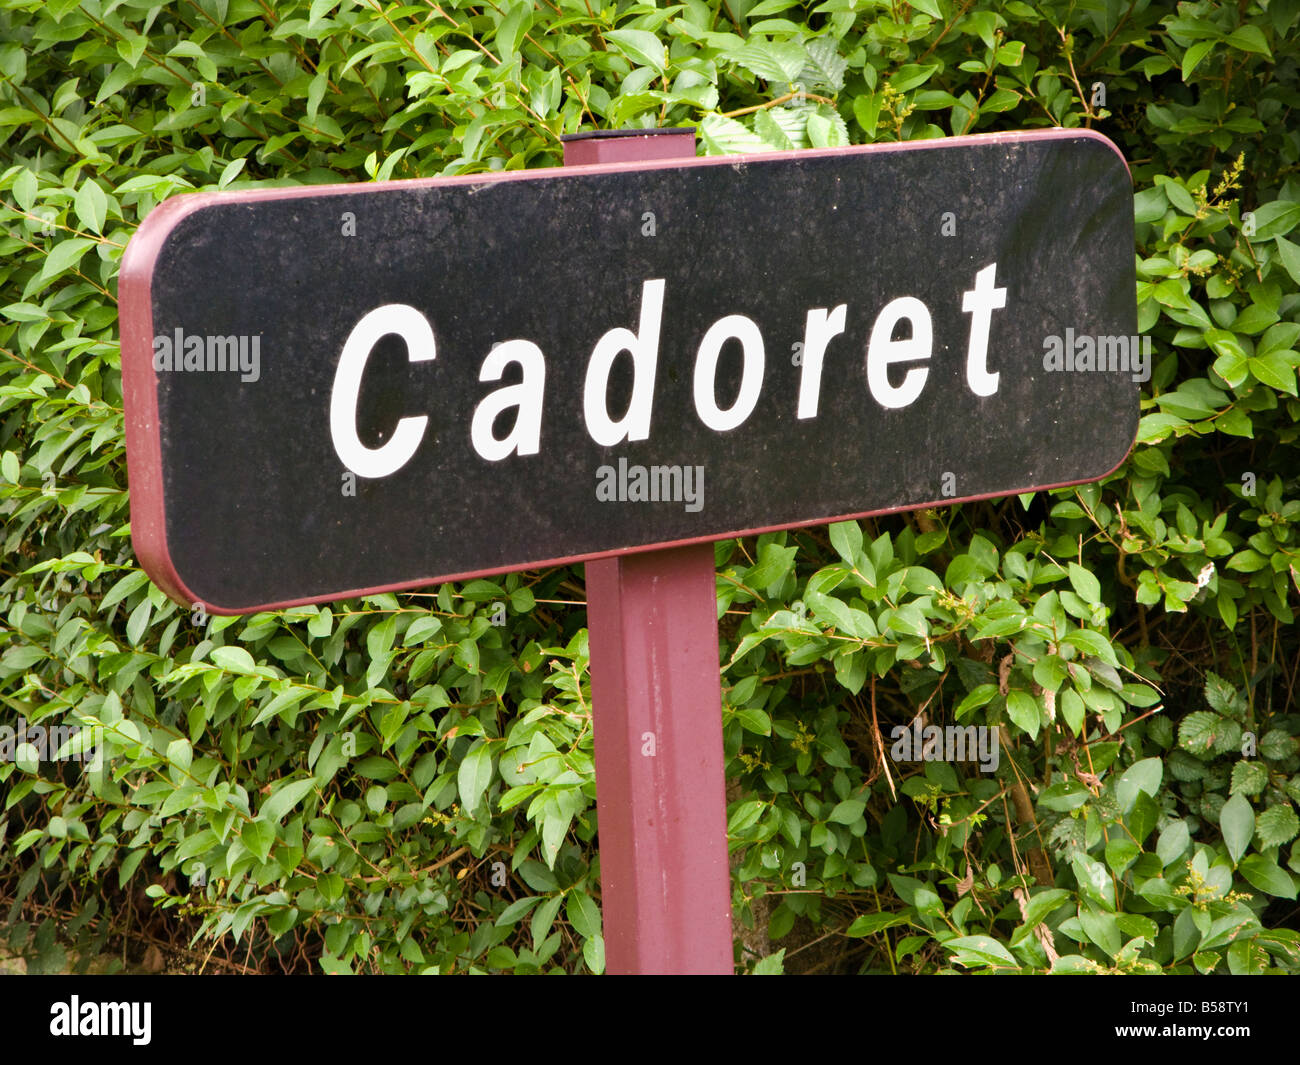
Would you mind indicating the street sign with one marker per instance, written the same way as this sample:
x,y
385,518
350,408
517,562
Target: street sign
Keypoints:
x,y
338,390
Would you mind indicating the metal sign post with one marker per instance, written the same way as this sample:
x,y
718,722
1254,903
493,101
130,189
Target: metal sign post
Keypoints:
x,y
657,720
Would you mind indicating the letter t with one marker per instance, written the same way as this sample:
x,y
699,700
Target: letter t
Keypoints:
x,y
980,303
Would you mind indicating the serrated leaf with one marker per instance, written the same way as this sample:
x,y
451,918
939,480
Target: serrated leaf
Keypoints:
x,y
1277,745
827,130
1249,778
773,61
726,136
774,136
1276,825
1199,731
825,66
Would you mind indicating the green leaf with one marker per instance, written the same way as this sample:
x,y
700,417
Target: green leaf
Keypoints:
x,y
871,923
1237,823
1085,584
912,75
847,812
233,660
1274,371
640,46
230,172
1276,825
779,62
1173,843
980,950
474,775
1180,198
543,918
285,798
825,64
1276,219
1142,776
518,21
1199,731
593,953
929,7
866,109
1289,254
25,188
516,910
583,913
1248,38
726,136
65,255
180,754
138,621
846,538
1022,708
1268,876
1042,904
91,205
258,836
1249,778
755,720
1121,852
1093,643
1193,56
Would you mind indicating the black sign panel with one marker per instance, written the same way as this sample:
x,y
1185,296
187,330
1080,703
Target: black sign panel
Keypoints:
x,y
351,388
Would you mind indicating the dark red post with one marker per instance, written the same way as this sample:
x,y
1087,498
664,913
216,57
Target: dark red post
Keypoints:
x,y
657,720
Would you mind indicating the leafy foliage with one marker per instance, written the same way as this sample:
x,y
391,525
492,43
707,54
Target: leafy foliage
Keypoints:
x,y
405,783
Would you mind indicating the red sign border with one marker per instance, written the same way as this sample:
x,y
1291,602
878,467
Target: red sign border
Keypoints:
x,y
140,385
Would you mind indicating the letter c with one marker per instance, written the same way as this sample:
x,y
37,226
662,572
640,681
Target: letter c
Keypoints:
x,y
411,326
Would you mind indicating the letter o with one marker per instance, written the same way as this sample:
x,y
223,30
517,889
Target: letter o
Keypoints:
x,y
733,327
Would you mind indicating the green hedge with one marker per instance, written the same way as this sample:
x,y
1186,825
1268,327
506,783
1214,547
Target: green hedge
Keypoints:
x,y
405,783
